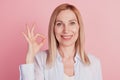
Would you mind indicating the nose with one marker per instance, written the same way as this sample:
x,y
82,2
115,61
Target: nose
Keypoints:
x,y
66,28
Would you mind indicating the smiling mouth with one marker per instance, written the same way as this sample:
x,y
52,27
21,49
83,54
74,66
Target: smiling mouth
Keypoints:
x,y
66,37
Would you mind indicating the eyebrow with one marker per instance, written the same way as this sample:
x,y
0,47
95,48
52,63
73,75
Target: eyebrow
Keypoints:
x,y
69,20
72,20
58,21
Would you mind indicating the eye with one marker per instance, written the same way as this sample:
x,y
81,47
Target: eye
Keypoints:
x,y
72,23
58,24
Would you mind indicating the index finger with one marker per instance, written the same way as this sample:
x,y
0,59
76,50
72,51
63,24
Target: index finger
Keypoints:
x,y
39,35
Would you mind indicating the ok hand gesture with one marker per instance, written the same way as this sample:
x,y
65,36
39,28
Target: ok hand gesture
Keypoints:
x,y
33,45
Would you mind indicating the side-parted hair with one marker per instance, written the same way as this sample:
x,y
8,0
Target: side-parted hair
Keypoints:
x,y
52,41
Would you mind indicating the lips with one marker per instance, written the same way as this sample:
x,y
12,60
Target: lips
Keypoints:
x,y
66,37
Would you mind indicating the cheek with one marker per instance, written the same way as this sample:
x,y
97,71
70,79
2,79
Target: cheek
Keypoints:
x,y
76,34
57,30
75,29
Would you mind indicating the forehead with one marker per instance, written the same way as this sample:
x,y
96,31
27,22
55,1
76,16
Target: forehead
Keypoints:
x,y
66,15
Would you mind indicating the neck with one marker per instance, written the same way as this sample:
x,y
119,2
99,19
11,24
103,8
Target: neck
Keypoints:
x,y
67,52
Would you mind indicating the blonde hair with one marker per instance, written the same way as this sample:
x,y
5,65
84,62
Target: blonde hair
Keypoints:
x,y
52,42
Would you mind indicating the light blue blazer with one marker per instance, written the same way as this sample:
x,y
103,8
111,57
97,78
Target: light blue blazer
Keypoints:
x,y
38,70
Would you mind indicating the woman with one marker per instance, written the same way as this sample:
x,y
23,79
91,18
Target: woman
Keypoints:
x,y
65,59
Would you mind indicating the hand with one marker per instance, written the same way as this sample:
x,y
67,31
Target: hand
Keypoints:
x,y
33,45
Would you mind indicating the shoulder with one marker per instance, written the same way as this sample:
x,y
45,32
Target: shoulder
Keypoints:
x,y
94,61
95,66
41,56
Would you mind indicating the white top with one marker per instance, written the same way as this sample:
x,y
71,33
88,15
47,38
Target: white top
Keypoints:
x,y
66,77
38,70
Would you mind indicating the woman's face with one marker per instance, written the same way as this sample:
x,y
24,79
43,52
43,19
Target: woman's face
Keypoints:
x,y
66,28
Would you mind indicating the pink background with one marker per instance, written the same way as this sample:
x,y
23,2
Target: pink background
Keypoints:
x,y
102,28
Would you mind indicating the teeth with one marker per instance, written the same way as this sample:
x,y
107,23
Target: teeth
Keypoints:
x,y
67,36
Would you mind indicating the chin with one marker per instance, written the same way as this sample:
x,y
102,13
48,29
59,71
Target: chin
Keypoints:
x,y
66,44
